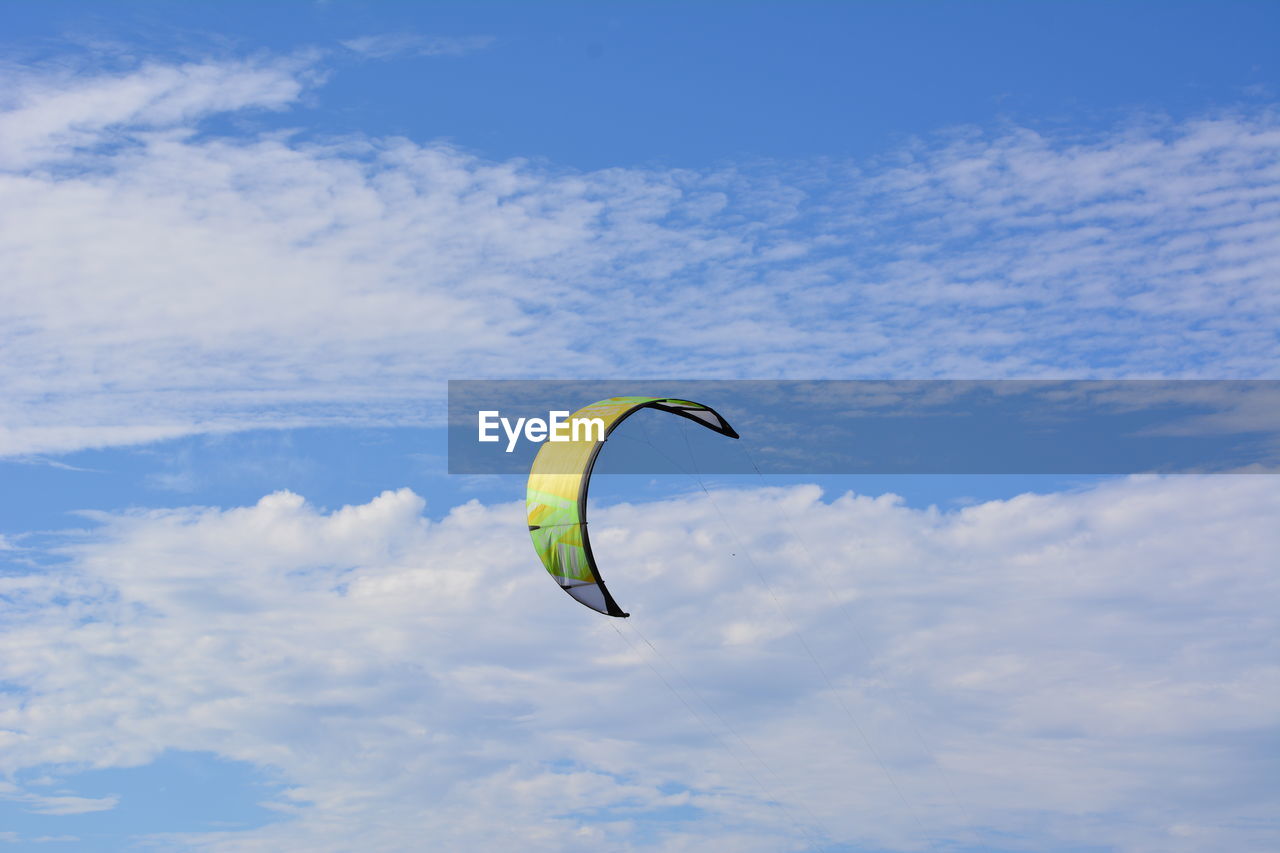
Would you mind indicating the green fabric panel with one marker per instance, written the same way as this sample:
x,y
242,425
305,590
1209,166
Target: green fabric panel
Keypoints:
x,y
562,552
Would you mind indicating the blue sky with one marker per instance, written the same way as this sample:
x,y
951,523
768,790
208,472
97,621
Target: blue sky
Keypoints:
x,y
242,249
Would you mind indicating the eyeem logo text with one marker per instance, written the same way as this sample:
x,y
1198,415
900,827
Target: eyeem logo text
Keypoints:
x,y
557,427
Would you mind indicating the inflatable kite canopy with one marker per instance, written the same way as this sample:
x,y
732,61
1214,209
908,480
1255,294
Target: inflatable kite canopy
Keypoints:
x,y
557,494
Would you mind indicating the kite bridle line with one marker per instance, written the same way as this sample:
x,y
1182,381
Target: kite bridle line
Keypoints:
x,y
877,669
795,629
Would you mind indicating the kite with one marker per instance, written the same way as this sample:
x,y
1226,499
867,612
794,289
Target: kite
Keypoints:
x,y
557,494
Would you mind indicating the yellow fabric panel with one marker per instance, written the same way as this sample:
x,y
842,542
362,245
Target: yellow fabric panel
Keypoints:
x,y
555,479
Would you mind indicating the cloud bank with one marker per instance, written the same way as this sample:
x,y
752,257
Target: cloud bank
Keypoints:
x,y
163,277
1049,672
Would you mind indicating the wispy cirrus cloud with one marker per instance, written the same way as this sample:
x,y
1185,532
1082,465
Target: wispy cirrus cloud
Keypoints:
x,y
161,279
55,804
52,116
1075,669
395,44
16,838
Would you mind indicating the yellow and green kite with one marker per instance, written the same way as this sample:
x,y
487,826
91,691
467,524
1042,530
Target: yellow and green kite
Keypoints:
x,y
557,495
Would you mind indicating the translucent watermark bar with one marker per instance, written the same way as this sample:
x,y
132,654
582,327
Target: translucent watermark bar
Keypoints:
x,y
895,426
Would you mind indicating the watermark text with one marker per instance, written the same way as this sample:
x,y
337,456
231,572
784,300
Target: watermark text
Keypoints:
x,y
556,427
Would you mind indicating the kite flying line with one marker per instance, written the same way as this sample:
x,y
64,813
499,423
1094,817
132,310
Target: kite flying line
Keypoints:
x,y
557,508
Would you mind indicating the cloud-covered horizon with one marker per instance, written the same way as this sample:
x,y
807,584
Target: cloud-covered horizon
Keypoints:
x,y
1073,669
163,278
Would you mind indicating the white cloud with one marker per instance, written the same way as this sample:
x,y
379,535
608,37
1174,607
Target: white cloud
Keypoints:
x,y
48,116
160,281
1074,669
15,838
393,44
69,805
55,804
